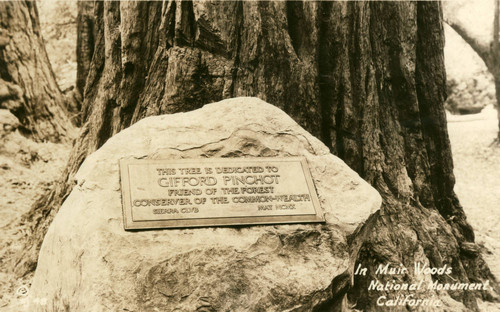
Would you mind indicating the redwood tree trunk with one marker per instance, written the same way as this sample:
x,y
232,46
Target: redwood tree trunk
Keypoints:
x,y
27,84
367,78
497,94
85,42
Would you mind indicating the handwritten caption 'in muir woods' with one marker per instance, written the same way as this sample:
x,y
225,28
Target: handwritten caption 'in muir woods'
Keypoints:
x,y
218,188
421,284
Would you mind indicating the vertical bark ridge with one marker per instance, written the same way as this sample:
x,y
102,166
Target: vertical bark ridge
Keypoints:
x,y
97,64
134,19
497,94
185,27
85,42
325,77
236,45
109,84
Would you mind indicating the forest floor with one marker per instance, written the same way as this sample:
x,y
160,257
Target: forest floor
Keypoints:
x,y
27,169
477,175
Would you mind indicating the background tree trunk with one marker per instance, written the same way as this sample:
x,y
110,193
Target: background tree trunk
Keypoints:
x,y
367,78
85,42
27,84
488,51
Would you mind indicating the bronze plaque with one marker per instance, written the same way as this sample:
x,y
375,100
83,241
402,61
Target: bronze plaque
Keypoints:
x,y
216,192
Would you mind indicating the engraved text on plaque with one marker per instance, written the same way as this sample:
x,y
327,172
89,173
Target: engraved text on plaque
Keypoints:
x,y
217,191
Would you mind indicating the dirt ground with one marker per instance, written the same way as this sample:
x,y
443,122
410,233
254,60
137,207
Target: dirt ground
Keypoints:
x,y
27,169
477,173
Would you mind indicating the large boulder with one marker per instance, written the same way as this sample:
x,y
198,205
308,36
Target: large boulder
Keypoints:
x,y
88,262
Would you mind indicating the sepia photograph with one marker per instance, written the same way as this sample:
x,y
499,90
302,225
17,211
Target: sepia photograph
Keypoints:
x,y
249,155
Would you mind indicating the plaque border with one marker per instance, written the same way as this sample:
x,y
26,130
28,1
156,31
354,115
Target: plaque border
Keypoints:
x,y
129,224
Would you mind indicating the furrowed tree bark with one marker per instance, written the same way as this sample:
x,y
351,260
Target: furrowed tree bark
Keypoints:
x,y
27,84
85,42
367,78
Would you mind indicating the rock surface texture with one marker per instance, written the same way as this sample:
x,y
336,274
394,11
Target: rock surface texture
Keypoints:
x,y
8,122
88,262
